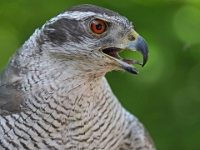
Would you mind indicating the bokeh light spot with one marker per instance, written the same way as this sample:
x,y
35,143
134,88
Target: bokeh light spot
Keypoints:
x,y
187,24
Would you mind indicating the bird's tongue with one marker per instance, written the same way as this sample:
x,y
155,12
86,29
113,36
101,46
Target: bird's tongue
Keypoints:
x,y
130,61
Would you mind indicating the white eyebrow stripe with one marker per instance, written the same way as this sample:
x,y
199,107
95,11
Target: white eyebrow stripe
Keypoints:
x,y
78,15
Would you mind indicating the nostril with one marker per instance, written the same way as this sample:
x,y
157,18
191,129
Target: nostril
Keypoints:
x,y
131,38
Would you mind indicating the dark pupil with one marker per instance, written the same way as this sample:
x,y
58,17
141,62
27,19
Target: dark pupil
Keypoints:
x,y
98,26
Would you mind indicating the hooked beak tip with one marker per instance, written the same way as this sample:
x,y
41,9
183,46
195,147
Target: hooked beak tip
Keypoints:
x,y
141,46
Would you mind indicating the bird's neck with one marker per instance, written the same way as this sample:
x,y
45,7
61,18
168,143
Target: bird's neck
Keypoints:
x,y
72,102
84,108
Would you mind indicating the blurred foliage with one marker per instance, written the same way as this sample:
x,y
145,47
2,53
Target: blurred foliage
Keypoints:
x,y
165,96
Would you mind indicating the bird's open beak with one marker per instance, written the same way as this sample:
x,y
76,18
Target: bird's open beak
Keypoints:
x,y
139,45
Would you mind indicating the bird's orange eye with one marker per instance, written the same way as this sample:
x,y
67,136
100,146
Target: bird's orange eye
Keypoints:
x,y
98,26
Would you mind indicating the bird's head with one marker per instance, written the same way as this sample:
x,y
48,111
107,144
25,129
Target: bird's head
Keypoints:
x,y
94,35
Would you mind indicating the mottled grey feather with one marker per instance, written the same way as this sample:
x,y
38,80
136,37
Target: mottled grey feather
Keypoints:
x,y
11,100
11,96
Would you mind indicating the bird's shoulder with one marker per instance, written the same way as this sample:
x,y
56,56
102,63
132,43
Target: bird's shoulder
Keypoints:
x,y
11,96
138,134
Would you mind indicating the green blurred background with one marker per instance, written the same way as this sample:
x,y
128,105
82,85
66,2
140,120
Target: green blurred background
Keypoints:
x,y
165,96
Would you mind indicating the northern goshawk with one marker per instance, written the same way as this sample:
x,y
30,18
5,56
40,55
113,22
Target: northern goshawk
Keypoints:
x,y
53,93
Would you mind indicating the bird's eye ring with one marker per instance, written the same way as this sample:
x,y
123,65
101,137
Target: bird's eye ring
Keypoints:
x,y
98,26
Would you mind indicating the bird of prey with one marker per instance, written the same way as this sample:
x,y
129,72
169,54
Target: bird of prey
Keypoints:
x,y
53,93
